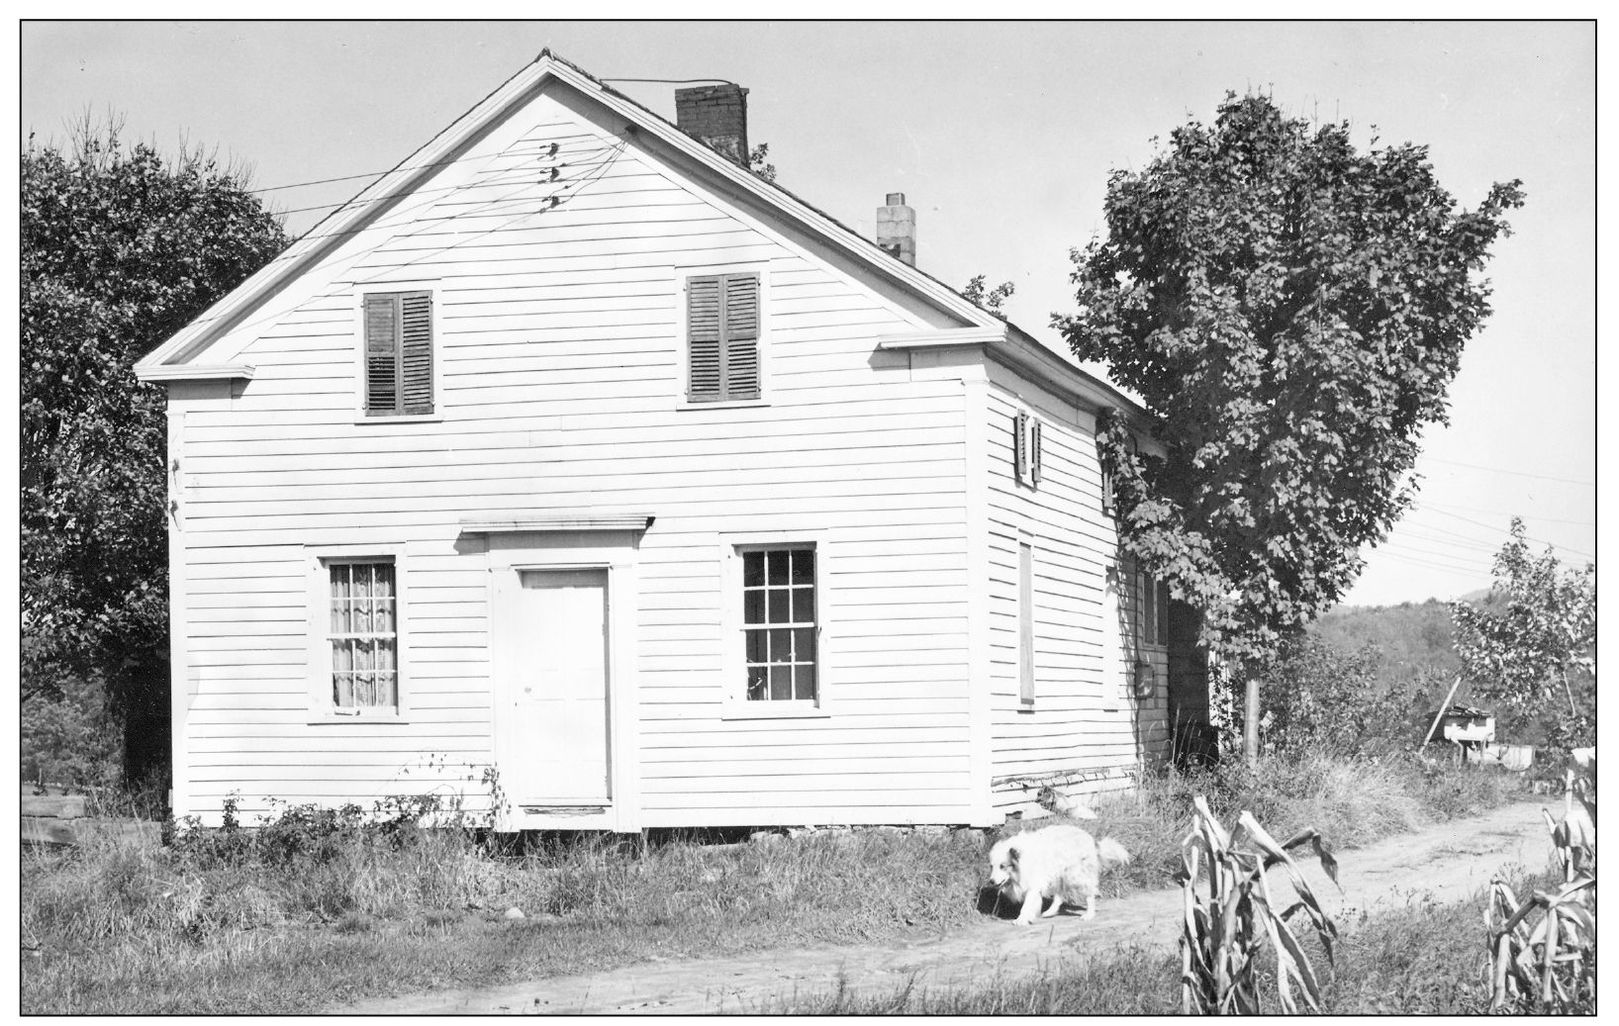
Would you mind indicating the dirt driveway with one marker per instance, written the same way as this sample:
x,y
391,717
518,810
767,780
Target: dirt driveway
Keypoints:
x,y
1446,863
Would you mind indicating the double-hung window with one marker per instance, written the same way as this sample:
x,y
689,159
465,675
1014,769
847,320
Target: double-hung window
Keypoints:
x,y
779,623
722,325
398,354
363,635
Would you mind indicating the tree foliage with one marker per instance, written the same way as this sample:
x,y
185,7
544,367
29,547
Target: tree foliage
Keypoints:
x,y
1533,650
120,248
990,299
758,162
1290,312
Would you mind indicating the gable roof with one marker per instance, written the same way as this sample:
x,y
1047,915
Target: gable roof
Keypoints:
x,y
177,357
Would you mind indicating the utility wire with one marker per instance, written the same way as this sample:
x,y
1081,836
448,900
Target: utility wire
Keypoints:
x,y
1508,513
1537,541
587,159
1425,564
1517,473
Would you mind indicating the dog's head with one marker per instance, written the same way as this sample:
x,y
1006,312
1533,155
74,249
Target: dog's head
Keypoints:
x,y
1046,797
1003,862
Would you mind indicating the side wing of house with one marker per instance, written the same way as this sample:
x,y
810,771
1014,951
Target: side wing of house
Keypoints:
x,y
569,383
1078,676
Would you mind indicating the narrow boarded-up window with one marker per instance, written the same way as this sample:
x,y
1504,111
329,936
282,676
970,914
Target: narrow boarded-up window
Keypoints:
x,y
398,353
722,317
364,635
1025,622
1152,604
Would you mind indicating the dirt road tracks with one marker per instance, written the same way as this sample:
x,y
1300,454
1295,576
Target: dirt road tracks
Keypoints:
x,y
1444,863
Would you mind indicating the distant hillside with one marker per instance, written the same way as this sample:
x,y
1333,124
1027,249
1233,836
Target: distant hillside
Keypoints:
x,y
1413,637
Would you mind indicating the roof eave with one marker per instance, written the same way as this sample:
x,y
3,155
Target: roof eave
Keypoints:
x,y
153,373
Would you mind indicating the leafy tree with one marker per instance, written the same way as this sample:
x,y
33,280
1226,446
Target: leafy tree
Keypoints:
x,y
991,299
120,248
1534,648
1326,699
756,162
1290,312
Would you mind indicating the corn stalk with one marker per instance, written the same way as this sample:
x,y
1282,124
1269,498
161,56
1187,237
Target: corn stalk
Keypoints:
x,y
1549,964
1231,912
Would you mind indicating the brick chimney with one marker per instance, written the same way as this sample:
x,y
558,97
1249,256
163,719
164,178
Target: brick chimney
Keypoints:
x,y
716,115
896,228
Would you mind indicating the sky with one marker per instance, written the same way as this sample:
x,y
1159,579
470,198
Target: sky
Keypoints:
x,y
1002,136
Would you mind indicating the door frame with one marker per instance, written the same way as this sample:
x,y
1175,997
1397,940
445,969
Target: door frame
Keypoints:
x,y
510,554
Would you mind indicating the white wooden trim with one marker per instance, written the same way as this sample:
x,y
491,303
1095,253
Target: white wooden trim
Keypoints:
x,y
194,372
728,404
540,522
179,683
975,403
944,337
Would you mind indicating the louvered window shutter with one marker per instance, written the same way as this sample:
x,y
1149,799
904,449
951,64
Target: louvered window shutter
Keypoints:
x,y
398,353
1034,453
416,352
703,327
741,365
1020,445
381,354
722,318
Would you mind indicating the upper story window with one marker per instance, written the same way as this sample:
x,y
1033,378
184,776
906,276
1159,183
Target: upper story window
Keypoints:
x,y
722,325
1026,448
398,353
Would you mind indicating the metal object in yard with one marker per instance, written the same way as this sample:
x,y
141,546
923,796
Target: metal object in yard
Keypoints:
x,y
1466,725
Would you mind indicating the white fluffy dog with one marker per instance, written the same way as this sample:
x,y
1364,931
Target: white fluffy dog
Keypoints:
x,y
1063,863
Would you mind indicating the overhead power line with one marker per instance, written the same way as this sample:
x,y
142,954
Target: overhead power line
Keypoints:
x,y
1506,513
1537,541
1515,473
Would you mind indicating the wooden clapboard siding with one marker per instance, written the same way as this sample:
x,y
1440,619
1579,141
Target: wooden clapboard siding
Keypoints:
x,y
559,336
1081,725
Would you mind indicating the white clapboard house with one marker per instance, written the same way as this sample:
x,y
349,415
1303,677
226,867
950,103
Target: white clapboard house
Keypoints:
x,y
573,450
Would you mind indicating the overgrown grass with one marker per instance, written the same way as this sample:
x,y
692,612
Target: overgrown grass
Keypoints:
x,y
1353,802
204,927
324,907
1426,959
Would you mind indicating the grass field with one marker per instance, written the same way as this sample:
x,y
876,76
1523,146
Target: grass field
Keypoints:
x,y
318,910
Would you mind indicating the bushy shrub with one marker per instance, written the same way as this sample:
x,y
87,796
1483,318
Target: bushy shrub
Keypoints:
x,y
68,736
1319,699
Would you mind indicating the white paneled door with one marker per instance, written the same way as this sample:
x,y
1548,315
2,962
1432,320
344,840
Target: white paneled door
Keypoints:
x,y
557,687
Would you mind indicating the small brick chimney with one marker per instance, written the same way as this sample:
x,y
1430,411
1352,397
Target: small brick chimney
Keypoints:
x,y
716,115
896,228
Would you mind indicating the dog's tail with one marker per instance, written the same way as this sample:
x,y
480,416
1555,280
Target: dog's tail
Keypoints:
x,y
1112,853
